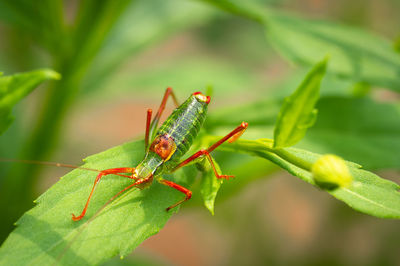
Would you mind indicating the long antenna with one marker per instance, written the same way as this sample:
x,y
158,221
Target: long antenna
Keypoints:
x,y
55,164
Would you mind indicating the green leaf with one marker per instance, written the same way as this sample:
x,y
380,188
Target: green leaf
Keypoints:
x,y
297,112
183,74
210,185
14,88
357,128
44,24
44,232
143,24
368,193
94,23
355,54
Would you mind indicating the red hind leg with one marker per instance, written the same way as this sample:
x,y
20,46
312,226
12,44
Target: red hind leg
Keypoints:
x,y
154,123
168,92
148,120
232,136
184,190
128,170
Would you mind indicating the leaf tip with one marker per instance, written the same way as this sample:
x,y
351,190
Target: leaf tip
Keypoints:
x,y
322,65
326,58
51,74
210,208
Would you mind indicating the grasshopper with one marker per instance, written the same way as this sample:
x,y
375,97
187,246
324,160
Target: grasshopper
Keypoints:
x,y
168,144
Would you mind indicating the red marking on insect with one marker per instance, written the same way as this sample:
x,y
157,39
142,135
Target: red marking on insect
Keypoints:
x,y
202,97
237,135
164,146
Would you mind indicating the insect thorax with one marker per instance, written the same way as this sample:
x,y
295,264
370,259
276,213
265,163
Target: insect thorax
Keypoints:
x,y
184,124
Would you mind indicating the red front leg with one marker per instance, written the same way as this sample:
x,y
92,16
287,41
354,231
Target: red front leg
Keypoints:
x,y
232,136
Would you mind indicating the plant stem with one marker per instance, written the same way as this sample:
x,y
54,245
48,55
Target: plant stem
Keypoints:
x,y
265,146
287,156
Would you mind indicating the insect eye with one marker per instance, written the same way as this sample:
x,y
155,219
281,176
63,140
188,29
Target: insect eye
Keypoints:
x,y
202,98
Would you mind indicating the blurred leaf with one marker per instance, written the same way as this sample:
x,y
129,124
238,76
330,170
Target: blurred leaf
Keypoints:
x,y
396,44
42,22
258,113
330,85
185,75
368,193
247,9
361,89
357,128
143,23
354,54
298,113
17,13
43,233
94,23
14,88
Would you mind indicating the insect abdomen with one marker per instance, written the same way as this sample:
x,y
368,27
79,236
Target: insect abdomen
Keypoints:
x,y
184,124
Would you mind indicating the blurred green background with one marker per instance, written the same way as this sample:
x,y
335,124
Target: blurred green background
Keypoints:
x,y
116,59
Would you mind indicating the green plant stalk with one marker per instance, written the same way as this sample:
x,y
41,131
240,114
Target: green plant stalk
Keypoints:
x,y
18,189
287,156
253,147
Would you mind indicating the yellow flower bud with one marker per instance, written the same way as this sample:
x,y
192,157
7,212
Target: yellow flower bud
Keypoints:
x,y
330,171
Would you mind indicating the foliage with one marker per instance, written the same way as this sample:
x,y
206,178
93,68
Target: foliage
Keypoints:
x,y
89,47
368,193
52,217
14,88
298,112
84,50
355,54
